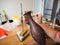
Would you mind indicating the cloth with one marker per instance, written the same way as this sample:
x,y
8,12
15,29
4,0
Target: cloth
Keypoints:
x,y
9,26
58,34
3,33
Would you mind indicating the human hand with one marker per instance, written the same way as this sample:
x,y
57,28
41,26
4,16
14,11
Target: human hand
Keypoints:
x,y
37,18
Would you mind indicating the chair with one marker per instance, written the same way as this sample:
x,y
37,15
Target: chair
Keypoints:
x,y
56,22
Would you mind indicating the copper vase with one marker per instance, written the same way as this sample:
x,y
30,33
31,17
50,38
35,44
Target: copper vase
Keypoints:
x,y
36,30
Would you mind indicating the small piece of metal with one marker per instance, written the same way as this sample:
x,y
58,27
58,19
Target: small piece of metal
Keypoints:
x,y
21,37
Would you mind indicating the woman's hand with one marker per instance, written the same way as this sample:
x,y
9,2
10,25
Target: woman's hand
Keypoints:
x,y
37,18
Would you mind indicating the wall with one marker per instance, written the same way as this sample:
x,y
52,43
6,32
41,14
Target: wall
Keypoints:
x,y
48,5
38,6
58,5
12,7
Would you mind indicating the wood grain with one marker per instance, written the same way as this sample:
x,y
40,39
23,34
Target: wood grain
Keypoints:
x,y
12,38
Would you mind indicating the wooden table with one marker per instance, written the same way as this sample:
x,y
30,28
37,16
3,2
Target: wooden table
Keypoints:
x,y
12,38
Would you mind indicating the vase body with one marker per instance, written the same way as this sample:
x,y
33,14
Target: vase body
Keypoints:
x,y
36,30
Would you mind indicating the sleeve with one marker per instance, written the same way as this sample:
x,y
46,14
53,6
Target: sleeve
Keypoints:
x,y
58,35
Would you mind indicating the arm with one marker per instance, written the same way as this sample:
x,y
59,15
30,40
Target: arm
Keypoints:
x,y
55,35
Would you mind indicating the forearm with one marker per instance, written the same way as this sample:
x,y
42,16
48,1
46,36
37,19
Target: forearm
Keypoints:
x,y
50,32
55,35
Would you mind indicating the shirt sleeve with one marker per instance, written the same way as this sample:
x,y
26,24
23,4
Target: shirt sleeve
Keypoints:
x,y
58,35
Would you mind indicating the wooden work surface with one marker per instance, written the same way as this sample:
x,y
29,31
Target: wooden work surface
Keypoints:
x,y
12,38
